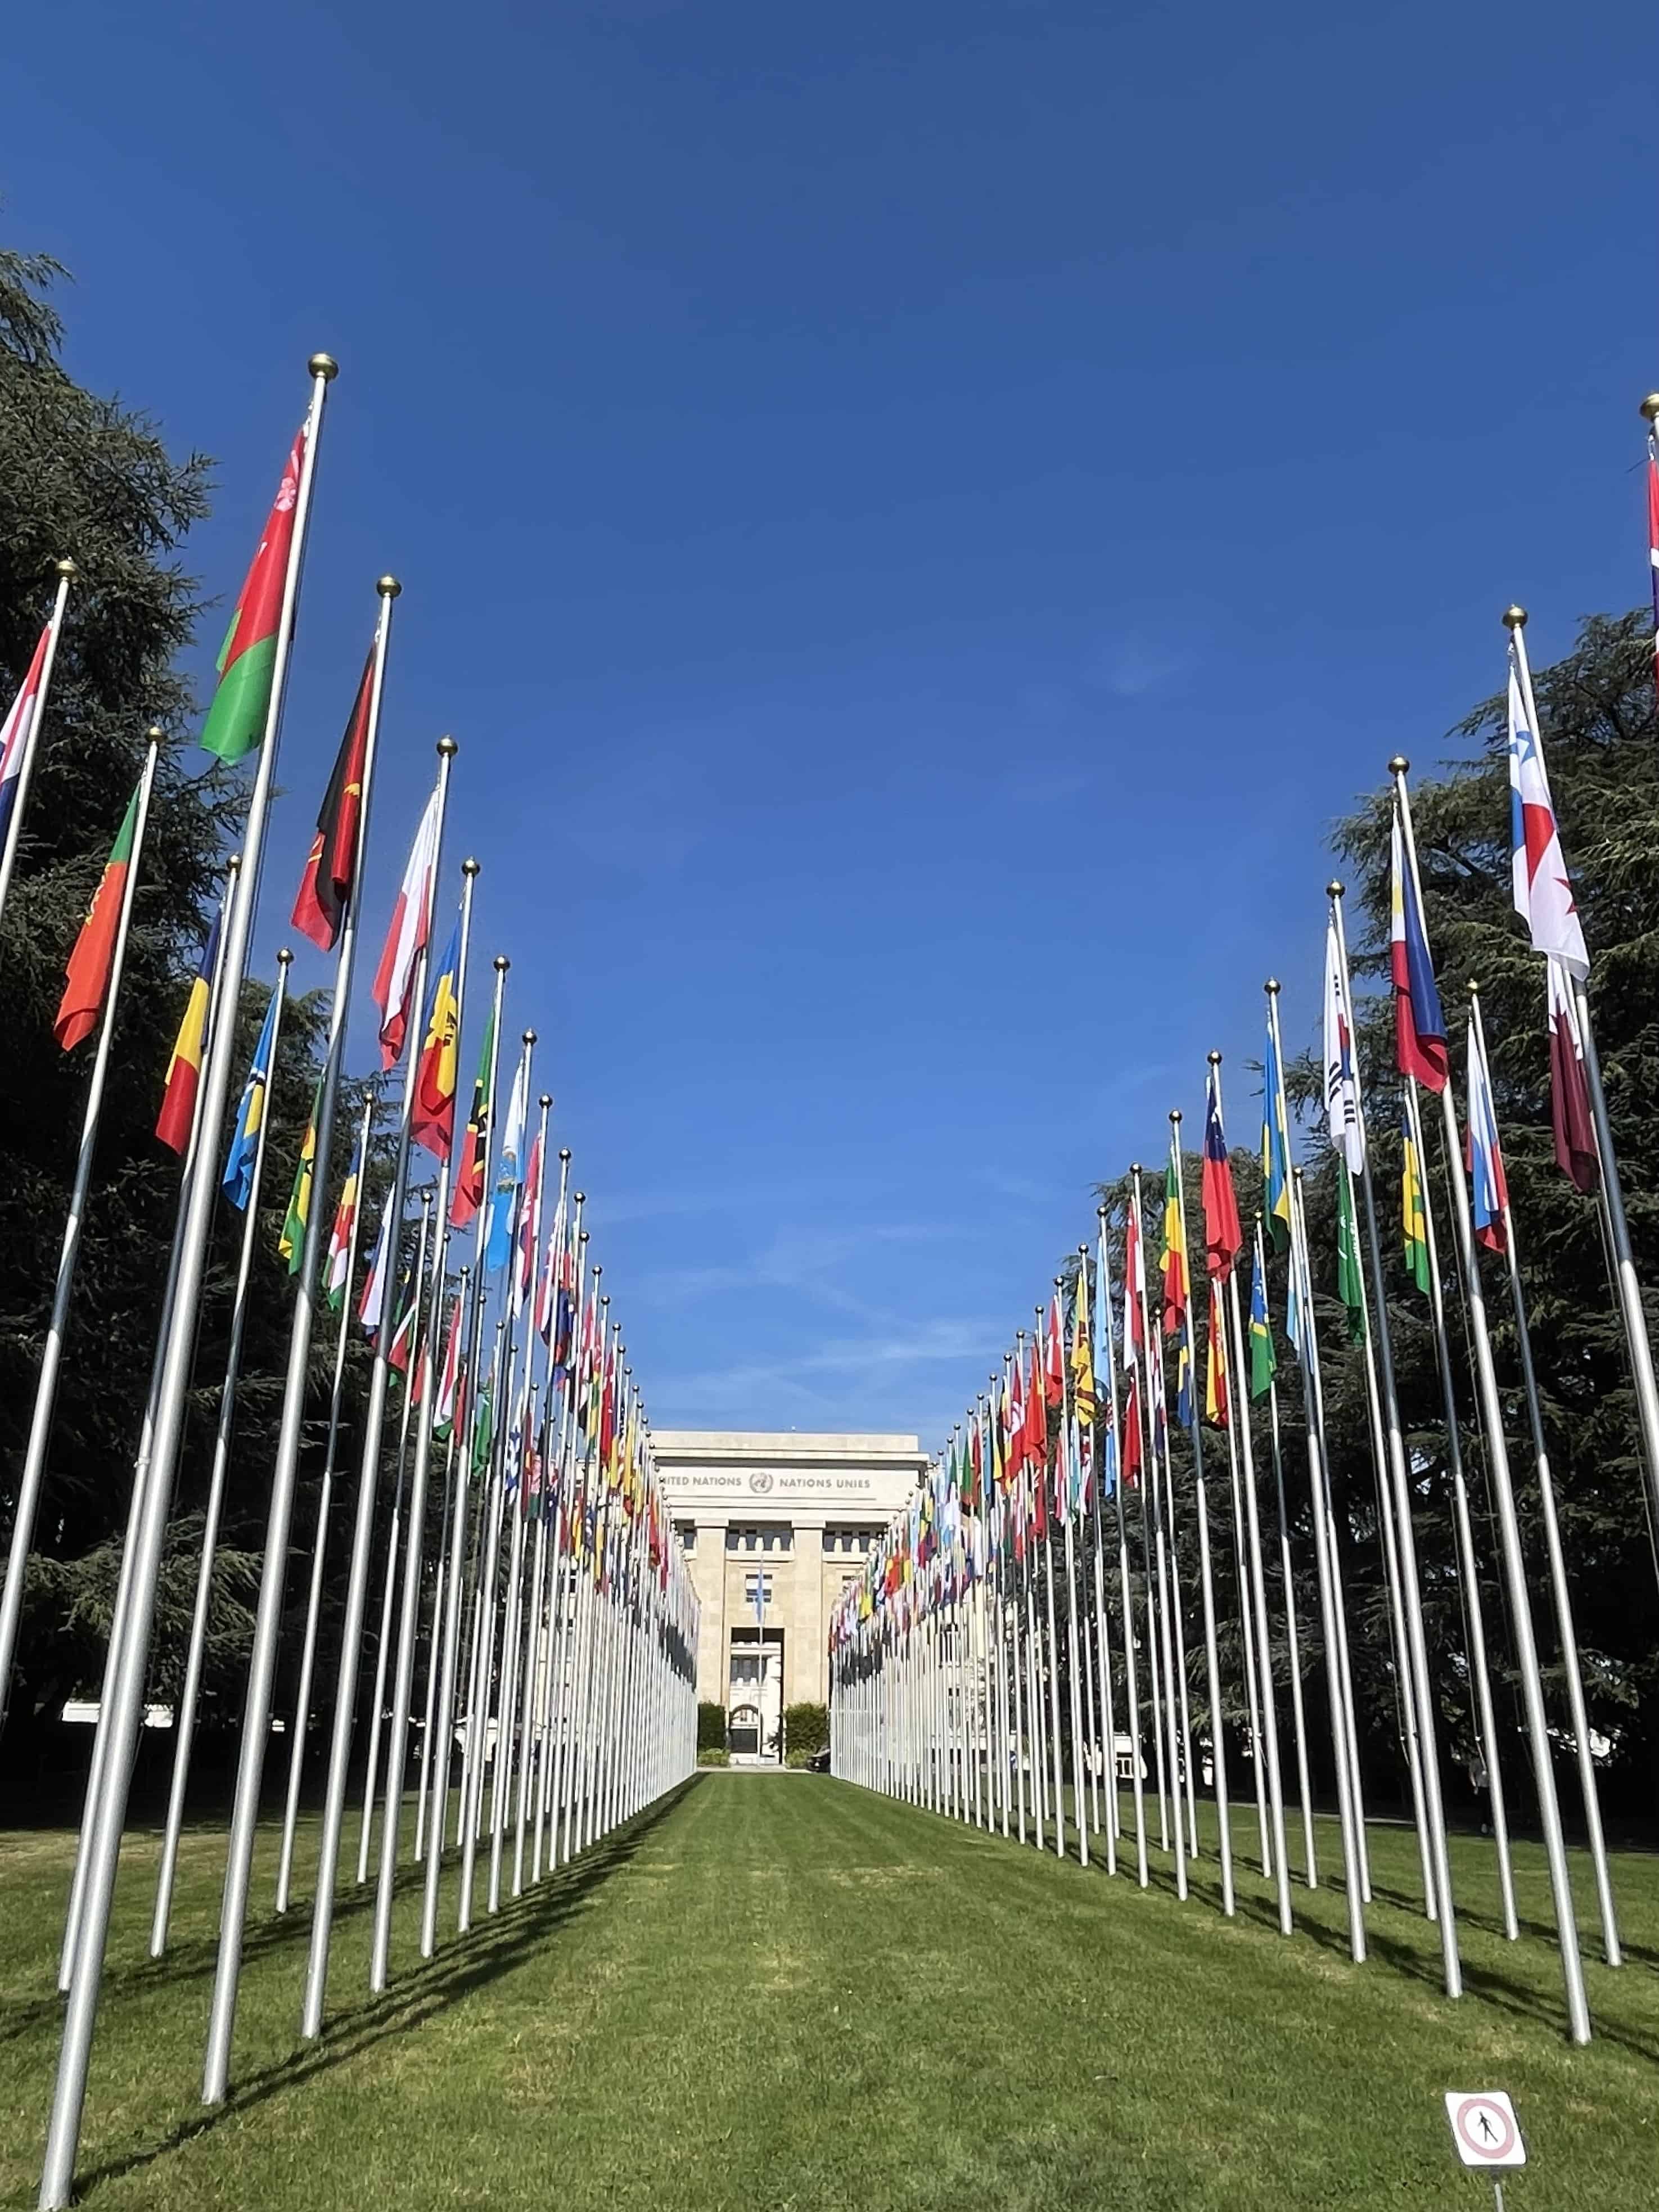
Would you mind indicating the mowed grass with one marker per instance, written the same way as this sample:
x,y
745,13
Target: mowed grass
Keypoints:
x,y
780,1991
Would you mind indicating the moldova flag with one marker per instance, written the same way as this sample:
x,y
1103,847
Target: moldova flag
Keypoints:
x,y
87,975
326,885
1419,1027
178,1114
247,658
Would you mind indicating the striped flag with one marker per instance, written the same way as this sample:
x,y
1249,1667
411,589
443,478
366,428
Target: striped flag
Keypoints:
x,y
1275,1146
1489,1193
1419,1027
1224,1236
1341,1081
291,1245
1175,1281
530,1228
1215,1365
432,1121
86,975
1413,1222
372,1307
18,729
326,886
336,1269
247,658
1653,540
237,1182
1543,892
1264,1360
504,1201
447,1407
407,935
178,1113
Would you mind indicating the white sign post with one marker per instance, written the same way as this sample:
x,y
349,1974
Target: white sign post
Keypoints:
x,y
1486,2131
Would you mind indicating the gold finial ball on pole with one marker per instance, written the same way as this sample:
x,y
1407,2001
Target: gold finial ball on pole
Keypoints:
x,y
1270,986
1514,618
469,866
155,734
1174,1116
323,365
1399,764
528,1037
1214,1059
564,1152
1650,408
1100,1213
1134,1167
65,567
448,748
234,864
387,586
285,958
1335,887
546,1098
500,963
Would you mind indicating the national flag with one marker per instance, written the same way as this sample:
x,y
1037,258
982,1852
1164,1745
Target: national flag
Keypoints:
x,y
530,1227
372,1306
432,1119
1350,1283
178,1113
1131,1439
403,1335
337,1267
326,886
1036,1417
1184,1377
1216,1393
247,658
470,1167
1413,1222
1082,1352
1489,1193
1264,1360
87,974
1054,1358
1224,1237
407,933
1653,538
1293,1312
18,729
1341,1078
1275,1145
1419,1027
1576,1153
1105,1379
1543,891
1176,1282
504,1199
291,1245
237,1182
1134,1287
444,1411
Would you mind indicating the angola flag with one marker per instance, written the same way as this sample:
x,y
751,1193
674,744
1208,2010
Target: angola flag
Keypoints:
x,y
326,886
247,658
470,1168
432,1122
178,1113
87,976
291,1245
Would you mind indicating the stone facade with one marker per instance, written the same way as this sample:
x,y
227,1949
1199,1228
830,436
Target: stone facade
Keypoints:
x,y
796,1514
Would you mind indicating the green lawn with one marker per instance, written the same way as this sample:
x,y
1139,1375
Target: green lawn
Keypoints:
x,y
779,1991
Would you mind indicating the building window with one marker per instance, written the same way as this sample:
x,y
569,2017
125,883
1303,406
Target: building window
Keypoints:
x,y
768,1536
855,1540
686,1533
756,1590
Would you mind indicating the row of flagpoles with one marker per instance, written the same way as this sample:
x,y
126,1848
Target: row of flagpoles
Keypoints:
x,y
1021,1644
537,1625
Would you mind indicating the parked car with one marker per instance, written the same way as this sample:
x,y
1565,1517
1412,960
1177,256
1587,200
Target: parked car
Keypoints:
x,y
819,1762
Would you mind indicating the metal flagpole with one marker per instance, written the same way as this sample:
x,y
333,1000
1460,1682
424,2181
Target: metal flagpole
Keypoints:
x,y
1298,1715
1405,1536
1041,1475
351,1634
1258,1591
1153,1590
95,1780
1515,1570
383,1641
409,1623
45,1389
1178,1736
1241,1583
1631,1306
1564,1629
1212,1663
63,2139
67,572
1132,1688
324,1498
185,1730
267,1630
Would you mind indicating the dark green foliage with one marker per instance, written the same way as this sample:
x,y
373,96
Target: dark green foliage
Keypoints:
x,y
805,1729
711,1727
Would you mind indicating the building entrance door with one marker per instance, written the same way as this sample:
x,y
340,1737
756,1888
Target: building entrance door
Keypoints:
x,y
755,1707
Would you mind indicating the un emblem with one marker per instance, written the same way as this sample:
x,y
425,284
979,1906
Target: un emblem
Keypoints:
x,y
761,1483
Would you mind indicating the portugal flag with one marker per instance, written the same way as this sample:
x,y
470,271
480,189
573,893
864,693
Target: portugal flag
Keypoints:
x,y
326,885
178,1114
87,976
247,658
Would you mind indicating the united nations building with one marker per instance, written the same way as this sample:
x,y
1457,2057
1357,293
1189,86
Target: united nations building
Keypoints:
x,y
773,1526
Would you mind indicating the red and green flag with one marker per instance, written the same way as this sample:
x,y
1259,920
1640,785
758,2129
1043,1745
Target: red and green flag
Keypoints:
x,y
469,1169
87,976
326,886
247,659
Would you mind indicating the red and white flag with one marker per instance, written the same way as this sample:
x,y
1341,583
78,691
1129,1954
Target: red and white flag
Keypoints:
x,y
408,935
1543,892
1570,1107
17,731
530,1227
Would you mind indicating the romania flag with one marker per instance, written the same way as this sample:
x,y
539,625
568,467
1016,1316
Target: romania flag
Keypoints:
x,y
178,1116
1175,1277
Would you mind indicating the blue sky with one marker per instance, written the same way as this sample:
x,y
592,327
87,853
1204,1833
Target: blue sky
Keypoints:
x,y
919,516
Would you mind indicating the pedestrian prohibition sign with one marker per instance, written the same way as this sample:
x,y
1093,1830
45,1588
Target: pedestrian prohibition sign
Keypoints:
x,y
1484,2127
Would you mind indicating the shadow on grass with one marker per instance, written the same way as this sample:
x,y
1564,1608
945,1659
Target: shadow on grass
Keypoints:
x,y
503,1942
